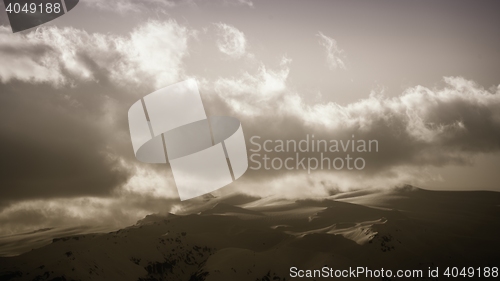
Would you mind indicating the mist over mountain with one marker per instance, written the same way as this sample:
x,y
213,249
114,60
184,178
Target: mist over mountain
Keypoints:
x,y
247,238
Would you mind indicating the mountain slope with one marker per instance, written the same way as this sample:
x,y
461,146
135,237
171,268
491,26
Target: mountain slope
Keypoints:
x,y
404,228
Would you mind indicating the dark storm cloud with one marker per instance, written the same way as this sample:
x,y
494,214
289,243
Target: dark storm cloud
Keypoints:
x,y
111,213
421,128
63,105
53,147
65,93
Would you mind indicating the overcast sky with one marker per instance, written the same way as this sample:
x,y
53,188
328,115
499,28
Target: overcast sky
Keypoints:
x,y
421,77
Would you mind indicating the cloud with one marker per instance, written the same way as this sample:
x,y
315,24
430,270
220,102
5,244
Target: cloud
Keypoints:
x,y
151,53
245,2
249,93
334,55
57,145
68,92
420,129
231,41
63,103
26,60
116,212
64,94
154,52
239,2
162,6
460,117
134,6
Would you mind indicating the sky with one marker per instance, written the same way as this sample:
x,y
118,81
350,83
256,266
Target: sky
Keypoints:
x,y
420,77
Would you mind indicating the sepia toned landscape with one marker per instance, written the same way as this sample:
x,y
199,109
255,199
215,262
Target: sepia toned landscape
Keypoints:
x,y
246,238
304,140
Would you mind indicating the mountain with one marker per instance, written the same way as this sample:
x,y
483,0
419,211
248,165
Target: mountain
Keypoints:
x,y
246,238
